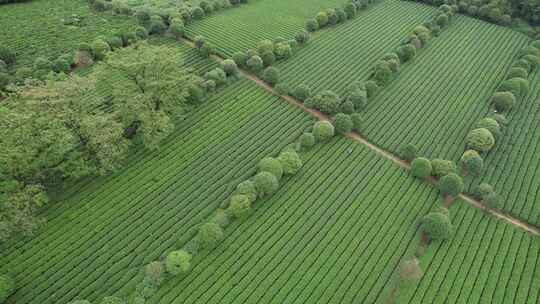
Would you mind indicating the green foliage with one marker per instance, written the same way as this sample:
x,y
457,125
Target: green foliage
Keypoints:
x,y
268,58
472,162
482,190
272,165
210,234
382,74
178,262
480,140
112,300
307,141
218,75
100,49
240,58
265,46
491,124
290,162
437,225
266,183
406,52
442,20
302,92
421,167
7,55
503,101
372,88
230,67
240,206
343,123
255,64
322,19
451,185
517,86
79,302
350,10
248,189
517,72
441,167
177,28
312,25
271,75
282,50
408,152
302,37
327,101
358,122
323,130
7,287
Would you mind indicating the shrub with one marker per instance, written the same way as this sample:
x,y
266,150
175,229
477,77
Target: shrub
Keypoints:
x,y
322,19
272,165
79,302
533,60
42,64
350,10
491,124
271,75
283,88
206,50
347,107
441,167
4,67
5,79
266,183
255,64
302,92
217,75
230,67
517,86
154,272
382,74
472,162
307,141
142,16
483,190
268,58
248,189
157,26
358,122
500,118
480,140
112,300
451,185
221,218
333,18
492,200
178,262
421,167
517,72
7,287
177,29
141,32
407,152
100,49
371,88
282,51
115,42
197,13
343,123
341,15
240,58
437,225
240,206
312,25
406,52
210,234
503,101
302,37
328,102
100,5
61,65
529,50
442,20
359,97
290,162
411,271
323,130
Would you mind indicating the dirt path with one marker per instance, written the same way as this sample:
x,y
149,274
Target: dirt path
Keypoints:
x,y
387,154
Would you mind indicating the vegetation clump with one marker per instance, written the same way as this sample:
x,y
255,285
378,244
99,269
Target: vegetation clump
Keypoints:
x,y
421,167
437,225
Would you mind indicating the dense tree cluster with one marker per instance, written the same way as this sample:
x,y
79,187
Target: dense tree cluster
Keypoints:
x,y
333,16
437,225
487,195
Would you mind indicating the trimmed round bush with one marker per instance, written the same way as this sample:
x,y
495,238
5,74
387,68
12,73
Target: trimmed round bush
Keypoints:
x,y
197,13
328,102
178,262
343,123
255,64
503,101
359,98
472,162
230,67
7,287
350,10
500,118
271,75
347,107
480,140
266,183
517,72
406,52
421,167
491,124
100,49
42,64
442,167
154,271
268,58
248,189
437,225
382,74
408,152
302,37
333,18
282,51
264,46
240,58
358,122
271,165
307,141
483,190
210,234
372,88
141,32
533,60
157,26
517,86
451,185
218,75
177,28
492,200
115,42
442,20
312,25
322,19
323,130
240,206
302,92
290,162
341,15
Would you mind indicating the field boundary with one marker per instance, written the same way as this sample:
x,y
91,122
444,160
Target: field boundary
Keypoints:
x,y
387,154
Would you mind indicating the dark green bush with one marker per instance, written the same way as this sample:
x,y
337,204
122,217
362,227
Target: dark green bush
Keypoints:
x,y
480,140
302,92
358,122
230,67
451,185
421,167
271,75
307,141
178,262
240,206
312,25
155,271
442,167
266,183
7,55
408,152
290,162
302,37
491,124
210,234
248,189
7,287
472,162
255,64
323,130
272,165
343,123
240,58
322,19
437,225
503,101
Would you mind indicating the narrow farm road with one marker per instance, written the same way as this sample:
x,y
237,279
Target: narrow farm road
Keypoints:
x,y
385,153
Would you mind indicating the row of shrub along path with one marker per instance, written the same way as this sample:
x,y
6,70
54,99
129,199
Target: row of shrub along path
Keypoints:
x,y
345,53
517,156
126,220
357,137
303,244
